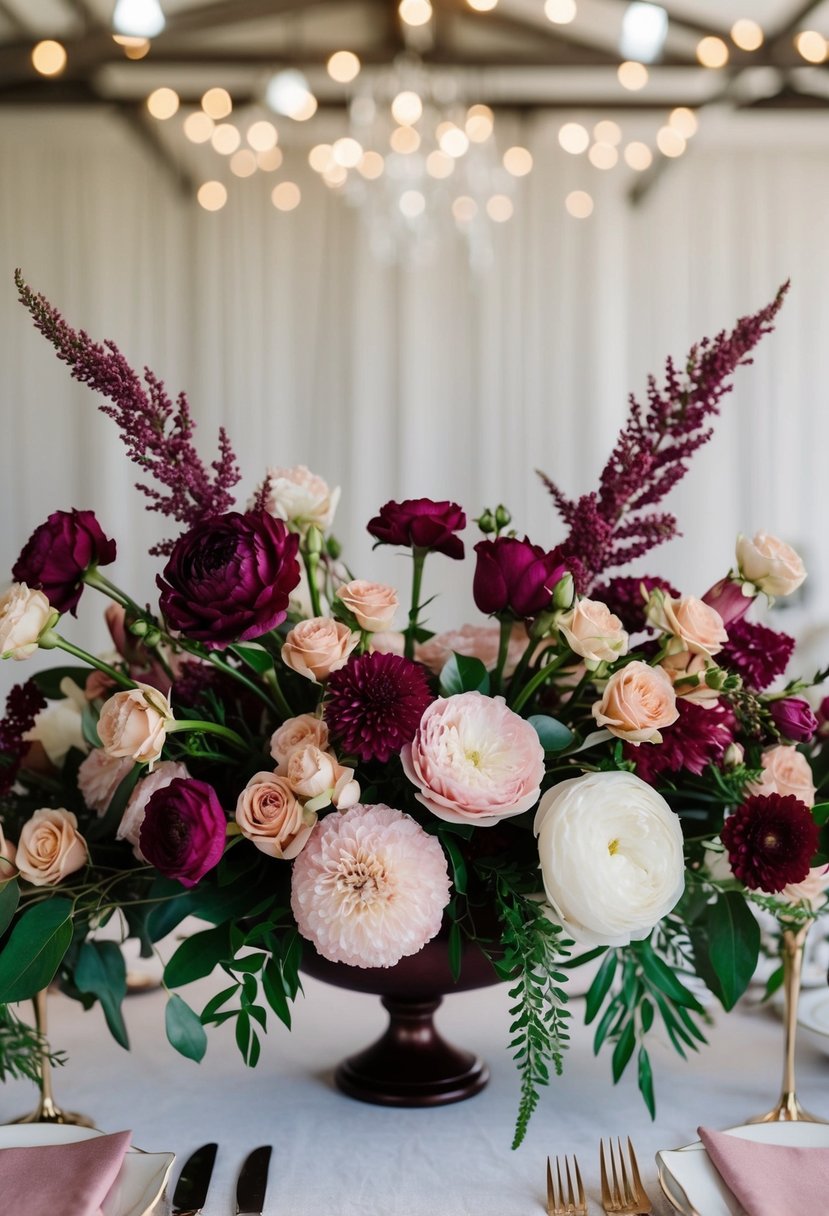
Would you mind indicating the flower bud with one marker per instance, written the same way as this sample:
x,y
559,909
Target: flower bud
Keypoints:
x,y
139,628
734,755
486,522
313,540
333,547
502,517
564,592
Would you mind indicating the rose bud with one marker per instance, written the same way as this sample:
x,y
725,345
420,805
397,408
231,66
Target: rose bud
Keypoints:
x,y
514,576
183,831
731,599
794,719
134,723
58,554
230,577
420,523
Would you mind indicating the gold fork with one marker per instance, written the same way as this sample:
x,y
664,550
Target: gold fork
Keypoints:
x,y
628,1197
557,1204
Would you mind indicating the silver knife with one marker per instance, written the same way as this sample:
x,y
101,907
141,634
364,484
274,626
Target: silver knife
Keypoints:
x,y
194,1179
253,1182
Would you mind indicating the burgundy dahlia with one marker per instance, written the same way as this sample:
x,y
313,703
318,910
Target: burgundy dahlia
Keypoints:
x,y
230,577
183,831
374,705
515,576
756,653
58,554
623,596
699,737
771,840
794,719
420,523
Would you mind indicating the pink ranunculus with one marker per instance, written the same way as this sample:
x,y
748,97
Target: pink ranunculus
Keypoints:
x,y
296,733
370,886
373,604
474,760
161,776
785,771
272,818
474,642
99,776
690,623
316,647
636,703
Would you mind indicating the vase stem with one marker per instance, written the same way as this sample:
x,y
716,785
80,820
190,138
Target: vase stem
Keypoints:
x,y
47,1110
788,1109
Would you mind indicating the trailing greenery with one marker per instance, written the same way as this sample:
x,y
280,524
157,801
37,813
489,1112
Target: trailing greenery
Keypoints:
x,y
21,1048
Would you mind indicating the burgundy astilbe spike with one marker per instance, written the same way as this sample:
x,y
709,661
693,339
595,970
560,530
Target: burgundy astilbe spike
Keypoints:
x,y
157,433
613,526
24,703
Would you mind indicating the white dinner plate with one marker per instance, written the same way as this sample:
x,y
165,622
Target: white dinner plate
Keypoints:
x,y
694,1188
139,1184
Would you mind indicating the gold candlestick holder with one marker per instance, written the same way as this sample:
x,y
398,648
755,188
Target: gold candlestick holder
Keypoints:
x,y
788,1108
47,1110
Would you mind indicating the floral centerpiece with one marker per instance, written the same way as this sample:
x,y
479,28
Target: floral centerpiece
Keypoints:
x,y
599,767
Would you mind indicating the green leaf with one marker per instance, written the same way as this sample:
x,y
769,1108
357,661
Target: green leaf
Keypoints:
x,y
663,978
774,982
89,725
9,899
455,951
49,682
274,988
600,987
197,956
101,970
554,735
646,1081
215,1003
463,674
820,813
256,657
34,951
726,945
458,863
623,1050
184,1029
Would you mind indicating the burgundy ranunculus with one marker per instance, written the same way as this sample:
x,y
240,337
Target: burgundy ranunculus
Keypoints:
x,y
794,719
230,577
183,831
420,523
771,840
58,554
514,576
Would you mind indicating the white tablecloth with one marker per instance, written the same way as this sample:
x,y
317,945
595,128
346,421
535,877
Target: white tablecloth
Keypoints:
x,y
337,1157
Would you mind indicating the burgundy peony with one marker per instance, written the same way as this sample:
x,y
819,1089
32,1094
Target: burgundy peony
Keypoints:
x,y
374,705
514,576
770,840
183,832
420,523
756,653
230,577
58,554
794,719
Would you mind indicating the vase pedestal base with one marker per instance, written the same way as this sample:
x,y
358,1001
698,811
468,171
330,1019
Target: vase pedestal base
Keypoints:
x,y
47,1112
787,1110
411,1064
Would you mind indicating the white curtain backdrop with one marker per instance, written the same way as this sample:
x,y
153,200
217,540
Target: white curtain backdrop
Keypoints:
x,y
418,380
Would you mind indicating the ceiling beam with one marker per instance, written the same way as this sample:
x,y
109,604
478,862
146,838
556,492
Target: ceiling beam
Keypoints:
x,y
13,18
224,13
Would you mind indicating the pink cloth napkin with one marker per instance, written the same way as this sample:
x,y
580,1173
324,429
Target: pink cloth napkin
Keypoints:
x,y
70,1179
771,1179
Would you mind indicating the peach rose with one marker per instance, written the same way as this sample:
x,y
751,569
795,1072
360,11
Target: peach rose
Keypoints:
x,y
134,723
684,666
99,776
24,615
315,774
317,647
296,733
691,623
637,702
130,826
474,642
785,771
8,850
594,633
812,890
771,565
300,498
50,847
388,642
272,818
373,604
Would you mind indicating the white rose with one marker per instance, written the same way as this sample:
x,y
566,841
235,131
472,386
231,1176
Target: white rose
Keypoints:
x,y
59,726
771,565
611,857
24,615
300,498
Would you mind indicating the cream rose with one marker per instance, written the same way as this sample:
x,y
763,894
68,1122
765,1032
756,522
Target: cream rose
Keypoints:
x,y
272,818
812,890
611,857
134,723
785,771
770,564
317,647
8,851
637,702
592,631
683,668
24,615
50,847
300,498
296,733
99,776
373,604
690,623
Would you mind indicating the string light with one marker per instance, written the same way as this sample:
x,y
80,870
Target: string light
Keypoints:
x,y
243,163
518,161
603,156
404,140
747,34
415,12
439,165
288,93
712,52
49,57
343,66
500,208
321,157
212,196
163,103
684,121
371,166
454,142
269,161
217,103
670,142
347,152
574,138
286,196
632,75
811,46
198,127
579,204
464,209
138,18
133,48
262,136
607,132
226,138
638,156
560,12
480,123
482,6
407,108
412,204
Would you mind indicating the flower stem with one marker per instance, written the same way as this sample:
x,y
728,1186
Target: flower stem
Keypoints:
x,y
537,680
53,641
276,702
209,728
503,648
94,578
418,561
521,669
311,562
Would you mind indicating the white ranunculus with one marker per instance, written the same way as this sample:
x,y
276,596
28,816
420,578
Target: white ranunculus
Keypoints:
x,y
611,857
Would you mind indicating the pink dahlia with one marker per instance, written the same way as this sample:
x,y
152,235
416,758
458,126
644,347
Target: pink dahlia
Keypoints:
x,y
770,840
474,760
699,737
374,704
756,653
370,886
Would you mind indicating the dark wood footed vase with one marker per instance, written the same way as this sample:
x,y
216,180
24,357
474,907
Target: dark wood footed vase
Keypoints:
x,y
411,1064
